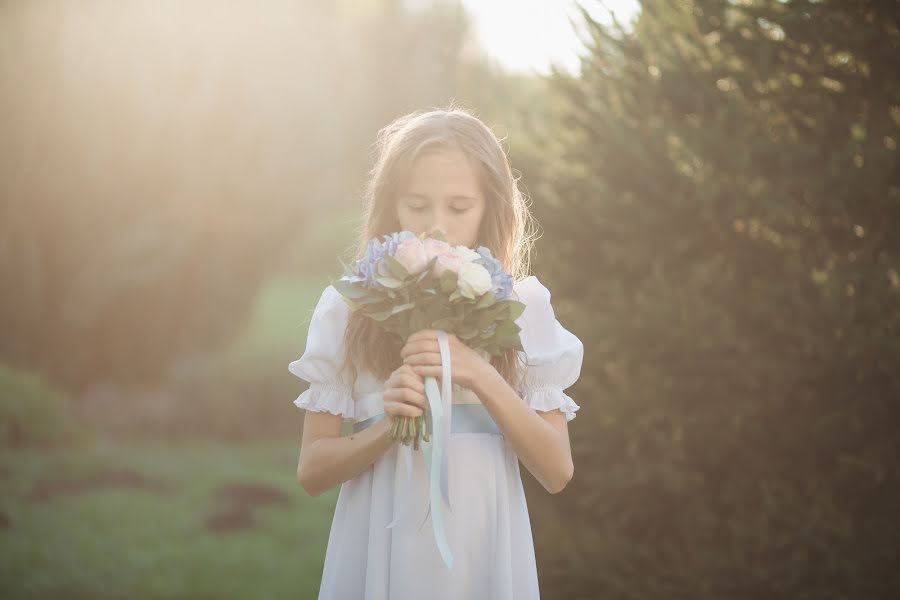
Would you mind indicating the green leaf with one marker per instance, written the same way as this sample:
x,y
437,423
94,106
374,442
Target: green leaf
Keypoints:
x,y
380,316
428,270
496,311
402,307
447,324
487,299
507,328
516,309
349,271
350,290
389,282
467,331
397,270
448,281
484,320
372,298
417,322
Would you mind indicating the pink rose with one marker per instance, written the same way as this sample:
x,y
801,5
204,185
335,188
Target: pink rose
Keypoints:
x,y
435,247
411,254
449,261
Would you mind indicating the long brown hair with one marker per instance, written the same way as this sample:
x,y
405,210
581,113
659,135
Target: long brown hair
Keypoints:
x,y
507,227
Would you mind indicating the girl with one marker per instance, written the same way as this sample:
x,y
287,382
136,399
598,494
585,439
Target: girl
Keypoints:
x,y
440,170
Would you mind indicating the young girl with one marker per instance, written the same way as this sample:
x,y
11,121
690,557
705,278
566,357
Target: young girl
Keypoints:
x,y
440,170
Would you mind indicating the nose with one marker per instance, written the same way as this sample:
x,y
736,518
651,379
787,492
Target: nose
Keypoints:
x,y
438,228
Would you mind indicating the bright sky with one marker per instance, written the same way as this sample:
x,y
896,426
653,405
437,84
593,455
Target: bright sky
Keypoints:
x,y
527,35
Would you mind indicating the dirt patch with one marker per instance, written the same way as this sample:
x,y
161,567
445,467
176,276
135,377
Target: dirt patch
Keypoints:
x,y
235,517
5,521
252,493
114,479
240,498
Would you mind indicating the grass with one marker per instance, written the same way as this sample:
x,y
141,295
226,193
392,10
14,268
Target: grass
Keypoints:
x,y
281,314
150,536
153,541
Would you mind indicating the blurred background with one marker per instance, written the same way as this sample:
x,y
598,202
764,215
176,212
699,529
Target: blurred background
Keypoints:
x,y
719,194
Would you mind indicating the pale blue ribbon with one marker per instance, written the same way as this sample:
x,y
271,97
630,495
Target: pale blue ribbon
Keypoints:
x,y
439,479
469,417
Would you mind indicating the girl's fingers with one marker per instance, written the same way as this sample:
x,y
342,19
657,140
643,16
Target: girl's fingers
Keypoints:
x,y
422,334
428,371
414,347
423,358
412,381
402,408
414,397
404,370
406,396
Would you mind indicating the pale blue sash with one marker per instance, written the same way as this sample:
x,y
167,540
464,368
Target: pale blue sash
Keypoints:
x,y
467,418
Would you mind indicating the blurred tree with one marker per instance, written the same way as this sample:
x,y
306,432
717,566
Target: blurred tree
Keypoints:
x,y
143,196
722,193
153,178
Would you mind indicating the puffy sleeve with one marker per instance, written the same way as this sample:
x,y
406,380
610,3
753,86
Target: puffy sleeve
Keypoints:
x,y
329,390
553,354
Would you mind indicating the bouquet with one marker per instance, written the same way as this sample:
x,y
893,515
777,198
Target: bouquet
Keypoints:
x,y
406,283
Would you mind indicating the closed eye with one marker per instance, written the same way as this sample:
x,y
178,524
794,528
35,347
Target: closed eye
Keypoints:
x,y
417,209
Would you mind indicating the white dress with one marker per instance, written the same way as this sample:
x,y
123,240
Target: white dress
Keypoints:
x,y
487,527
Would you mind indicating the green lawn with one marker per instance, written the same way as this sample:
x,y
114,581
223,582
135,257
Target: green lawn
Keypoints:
x,y
281,314
153,540
150,520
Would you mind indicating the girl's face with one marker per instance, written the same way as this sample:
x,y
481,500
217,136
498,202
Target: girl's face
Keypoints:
x,y
442,193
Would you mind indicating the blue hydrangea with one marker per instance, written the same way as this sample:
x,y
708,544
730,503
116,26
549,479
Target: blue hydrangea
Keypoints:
x,y
393,240
372,264
368,264
501,282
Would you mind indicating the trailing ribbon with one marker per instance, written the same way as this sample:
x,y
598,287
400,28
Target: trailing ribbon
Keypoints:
x,y
439,479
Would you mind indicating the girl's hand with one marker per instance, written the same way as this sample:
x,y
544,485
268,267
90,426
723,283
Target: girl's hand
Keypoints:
x,y
423,353
404,393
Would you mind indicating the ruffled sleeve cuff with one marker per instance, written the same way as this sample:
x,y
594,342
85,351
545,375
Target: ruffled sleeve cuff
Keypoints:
x,y
550,397
327,397
329,390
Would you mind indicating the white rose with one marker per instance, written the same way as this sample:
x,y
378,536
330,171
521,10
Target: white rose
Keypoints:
x,y
466,254
474,280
